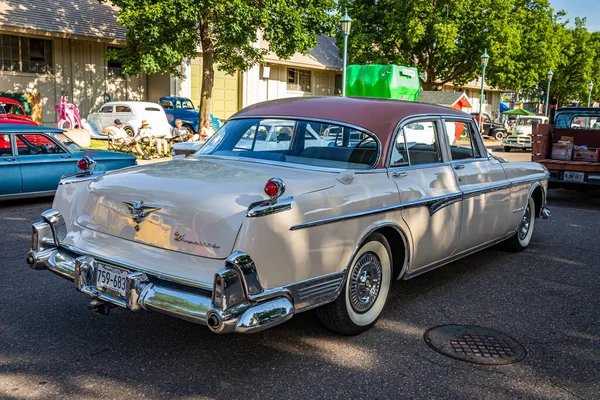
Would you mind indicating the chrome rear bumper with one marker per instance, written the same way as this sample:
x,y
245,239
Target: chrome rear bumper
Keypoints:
x,y
237,303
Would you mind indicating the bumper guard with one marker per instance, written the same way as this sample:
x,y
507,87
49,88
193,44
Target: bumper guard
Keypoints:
x,y
238,303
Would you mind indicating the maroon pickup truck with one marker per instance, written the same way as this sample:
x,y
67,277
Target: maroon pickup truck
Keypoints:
x,y
570,147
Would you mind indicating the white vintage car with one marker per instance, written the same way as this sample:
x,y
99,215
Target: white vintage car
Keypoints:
x,y
131,114
240,239
521,136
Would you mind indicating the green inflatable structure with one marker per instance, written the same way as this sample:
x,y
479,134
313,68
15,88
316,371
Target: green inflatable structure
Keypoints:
x,y
383,81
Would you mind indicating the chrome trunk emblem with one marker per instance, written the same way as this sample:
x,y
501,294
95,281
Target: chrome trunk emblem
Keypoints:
x,y
139,211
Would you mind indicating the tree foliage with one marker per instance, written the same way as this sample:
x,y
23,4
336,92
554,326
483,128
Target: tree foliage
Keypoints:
x,y
445,38
160,33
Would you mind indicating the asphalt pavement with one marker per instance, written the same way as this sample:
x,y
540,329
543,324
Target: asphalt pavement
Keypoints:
x,y
547,298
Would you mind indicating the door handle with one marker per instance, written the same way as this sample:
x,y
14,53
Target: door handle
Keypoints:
x,y
399,174
9,159
459,166
66,157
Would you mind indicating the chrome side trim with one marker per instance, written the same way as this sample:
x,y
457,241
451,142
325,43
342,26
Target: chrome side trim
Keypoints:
x,y
45,193
267,207
434,204
79,177
317,291
516,210
454,257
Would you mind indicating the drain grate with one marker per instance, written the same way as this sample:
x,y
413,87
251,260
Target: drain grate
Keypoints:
x,y
475,344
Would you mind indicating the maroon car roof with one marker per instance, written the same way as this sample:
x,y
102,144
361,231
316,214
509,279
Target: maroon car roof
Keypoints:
x,y
380,116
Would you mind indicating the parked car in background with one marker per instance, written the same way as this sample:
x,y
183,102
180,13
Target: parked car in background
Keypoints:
x,y
491,128
34,158
521,136
182,108
570,148
12,112
131,114
240,239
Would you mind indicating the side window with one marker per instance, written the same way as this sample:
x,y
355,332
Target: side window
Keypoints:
x,y
5,146
462,141
167,104
418,144
177,103
30,144
122,109
106,110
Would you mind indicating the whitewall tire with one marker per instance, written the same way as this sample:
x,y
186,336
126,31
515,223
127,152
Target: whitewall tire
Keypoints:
x,y
365,290
522,237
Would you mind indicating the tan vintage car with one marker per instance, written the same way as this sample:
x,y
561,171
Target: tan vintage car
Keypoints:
x,y
257,226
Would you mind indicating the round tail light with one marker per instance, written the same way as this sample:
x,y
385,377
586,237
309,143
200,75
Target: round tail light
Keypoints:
x,y
83,164
274,187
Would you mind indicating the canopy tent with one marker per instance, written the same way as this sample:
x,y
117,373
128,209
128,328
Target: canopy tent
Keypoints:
x,y
504,107
518,111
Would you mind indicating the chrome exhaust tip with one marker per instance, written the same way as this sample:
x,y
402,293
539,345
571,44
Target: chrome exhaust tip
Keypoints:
x,y
214,322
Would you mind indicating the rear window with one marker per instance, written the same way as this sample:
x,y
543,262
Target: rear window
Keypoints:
x,y
587,122
314,143
152,109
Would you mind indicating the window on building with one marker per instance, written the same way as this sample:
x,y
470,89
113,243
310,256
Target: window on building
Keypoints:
x,y
22,54
299,80
338,85
115,68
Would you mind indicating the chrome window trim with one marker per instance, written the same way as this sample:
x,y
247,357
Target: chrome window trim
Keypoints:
x,y
309,119
477,138
416,117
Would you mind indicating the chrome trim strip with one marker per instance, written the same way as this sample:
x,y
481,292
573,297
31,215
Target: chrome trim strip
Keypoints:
x,y
44,193
516,210
432,201
454,257
296,119
317,291
166,277
267,207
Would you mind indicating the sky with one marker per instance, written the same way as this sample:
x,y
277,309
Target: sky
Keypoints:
x,y
580,8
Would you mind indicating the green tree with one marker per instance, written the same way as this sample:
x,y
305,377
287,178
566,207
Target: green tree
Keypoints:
x,y
161,33
577,63
445,38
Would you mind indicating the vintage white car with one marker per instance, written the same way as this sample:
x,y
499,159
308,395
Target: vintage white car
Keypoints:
x,y
240,240
131,114
521,136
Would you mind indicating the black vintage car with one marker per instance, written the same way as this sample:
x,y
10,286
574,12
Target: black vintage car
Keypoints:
x,y
491,128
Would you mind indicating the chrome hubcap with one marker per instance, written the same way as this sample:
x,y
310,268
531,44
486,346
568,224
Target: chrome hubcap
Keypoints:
x,y
365,282
525,223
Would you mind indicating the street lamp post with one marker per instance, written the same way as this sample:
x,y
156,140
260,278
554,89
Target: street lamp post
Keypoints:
x,y
549,75
590,87
484,62
346,21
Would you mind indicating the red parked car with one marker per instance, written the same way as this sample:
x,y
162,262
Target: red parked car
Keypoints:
x,y
12,112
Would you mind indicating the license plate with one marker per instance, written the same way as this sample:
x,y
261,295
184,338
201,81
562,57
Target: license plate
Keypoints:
x,y
573,176
111,279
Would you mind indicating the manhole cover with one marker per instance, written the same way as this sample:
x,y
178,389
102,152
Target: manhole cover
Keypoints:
x,y
475,344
